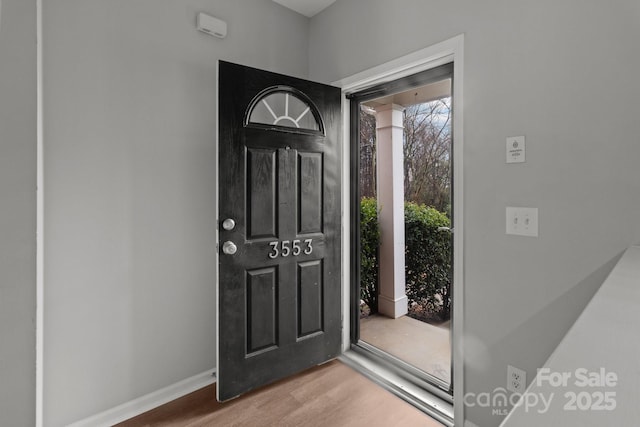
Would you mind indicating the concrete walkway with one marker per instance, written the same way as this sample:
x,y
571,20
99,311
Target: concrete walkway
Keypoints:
x,y
420,344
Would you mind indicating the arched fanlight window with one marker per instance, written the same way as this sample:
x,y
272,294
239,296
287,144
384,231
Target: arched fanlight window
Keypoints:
x,y
284,108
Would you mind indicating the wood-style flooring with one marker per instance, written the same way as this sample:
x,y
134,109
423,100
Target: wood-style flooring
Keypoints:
x,y
329,395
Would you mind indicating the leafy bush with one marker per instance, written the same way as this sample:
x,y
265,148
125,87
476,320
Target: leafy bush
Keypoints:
x,y
369,242
427,257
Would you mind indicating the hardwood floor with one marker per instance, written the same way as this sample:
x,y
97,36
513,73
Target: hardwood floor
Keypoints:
x,y
329,395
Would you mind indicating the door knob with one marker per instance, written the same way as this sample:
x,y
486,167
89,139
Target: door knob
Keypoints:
x,y
229,248
228,224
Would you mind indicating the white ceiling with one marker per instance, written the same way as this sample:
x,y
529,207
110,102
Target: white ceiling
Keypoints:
x,y
307,8
419,95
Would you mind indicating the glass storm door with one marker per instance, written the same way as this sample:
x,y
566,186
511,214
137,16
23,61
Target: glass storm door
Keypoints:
x,y
279,297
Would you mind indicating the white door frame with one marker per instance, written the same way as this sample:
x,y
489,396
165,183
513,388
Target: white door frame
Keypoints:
x,y
450,50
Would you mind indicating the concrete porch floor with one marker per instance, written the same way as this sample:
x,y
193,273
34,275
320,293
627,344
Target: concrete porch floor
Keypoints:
x,y
426,347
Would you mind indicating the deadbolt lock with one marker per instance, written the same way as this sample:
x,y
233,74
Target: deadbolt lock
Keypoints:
x,y
228,224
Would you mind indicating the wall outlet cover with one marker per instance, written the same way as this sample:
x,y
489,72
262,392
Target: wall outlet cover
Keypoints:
x,y
516,379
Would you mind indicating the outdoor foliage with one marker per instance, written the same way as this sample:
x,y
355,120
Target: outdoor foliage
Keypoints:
x,y
427,258
427,153
370,240
368,180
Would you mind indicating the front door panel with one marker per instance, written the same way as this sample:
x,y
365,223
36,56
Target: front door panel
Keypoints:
x,y
279,269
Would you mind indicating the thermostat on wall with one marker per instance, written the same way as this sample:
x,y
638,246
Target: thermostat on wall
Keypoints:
x,y
211,25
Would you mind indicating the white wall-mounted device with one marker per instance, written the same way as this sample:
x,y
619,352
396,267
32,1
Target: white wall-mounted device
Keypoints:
x,y
515,149
211,25
522,221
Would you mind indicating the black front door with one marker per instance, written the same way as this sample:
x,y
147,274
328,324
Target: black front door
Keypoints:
x,y
279,291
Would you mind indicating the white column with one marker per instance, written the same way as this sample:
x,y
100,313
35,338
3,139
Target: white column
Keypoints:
x,y
392,299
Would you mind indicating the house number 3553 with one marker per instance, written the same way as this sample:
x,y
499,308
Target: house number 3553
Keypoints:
x,y
288,247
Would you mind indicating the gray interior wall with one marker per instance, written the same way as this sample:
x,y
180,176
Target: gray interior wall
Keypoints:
x,y
129,131
565,75
18,106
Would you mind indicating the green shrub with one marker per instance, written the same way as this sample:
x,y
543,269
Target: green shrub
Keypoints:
x,y
427,257
369,242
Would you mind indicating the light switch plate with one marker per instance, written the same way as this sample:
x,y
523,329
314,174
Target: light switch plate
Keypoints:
x,y
522,221
516,149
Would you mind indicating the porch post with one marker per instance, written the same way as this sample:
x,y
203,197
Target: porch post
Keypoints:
x,y
392,299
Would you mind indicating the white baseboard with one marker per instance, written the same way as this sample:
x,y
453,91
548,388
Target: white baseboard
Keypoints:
x,y
150,401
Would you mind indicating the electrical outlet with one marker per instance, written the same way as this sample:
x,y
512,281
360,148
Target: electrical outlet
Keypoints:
x,y
516,379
